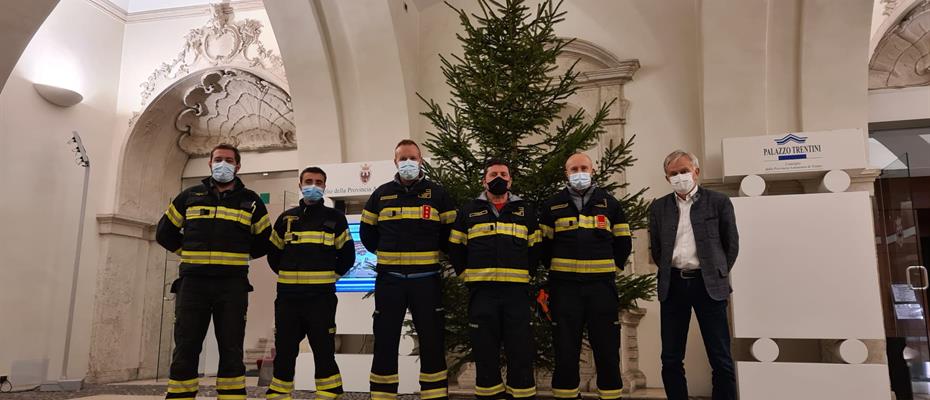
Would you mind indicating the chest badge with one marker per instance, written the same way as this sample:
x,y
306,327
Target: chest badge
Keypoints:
x,y
601,222
426,212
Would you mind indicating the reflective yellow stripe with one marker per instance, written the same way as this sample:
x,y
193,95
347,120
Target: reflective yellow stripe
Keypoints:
x,y
174,216
326,395
383,396
342,239
220,212
489,391
436,377
583,266
517,393
498,228
230,397
188,386
369,217
261,225
448,217
582,221
385,379
230,383
434,393
276,240
310,237
496,275
395,213
458,237
214,257
547,231
281,386
277,396
534,238
609,394
408,258
621,230
565,393
307,277
329,383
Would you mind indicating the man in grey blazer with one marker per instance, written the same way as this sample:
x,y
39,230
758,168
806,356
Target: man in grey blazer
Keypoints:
x,y
693,240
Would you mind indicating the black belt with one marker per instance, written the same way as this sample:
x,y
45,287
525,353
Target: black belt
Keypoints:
x,y
686,273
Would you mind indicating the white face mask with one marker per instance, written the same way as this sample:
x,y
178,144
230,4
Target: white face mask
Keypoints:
x,y
408,169
580,181
682,183
223,172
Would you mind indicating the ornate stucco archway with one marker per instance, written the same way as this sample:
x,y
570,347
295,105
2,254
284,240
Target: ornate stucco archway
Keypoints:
x,y
223,86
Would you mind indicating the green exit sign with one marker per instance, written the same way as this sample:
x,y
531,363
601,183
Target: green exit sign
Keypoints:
x,y
266,197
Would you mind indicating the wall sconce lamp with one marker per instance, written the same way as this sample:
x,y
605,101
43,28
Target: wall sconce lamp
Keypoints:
x,y
57,95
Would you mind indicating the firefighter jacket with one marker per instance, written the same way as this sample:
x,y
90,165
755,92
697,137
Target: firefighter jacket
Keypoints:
x,y
487,245
311,247
215,233
587,244
407,226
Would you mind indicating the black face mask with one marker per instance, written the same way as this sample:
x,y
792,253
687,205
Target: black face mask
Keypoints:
x,y
497,186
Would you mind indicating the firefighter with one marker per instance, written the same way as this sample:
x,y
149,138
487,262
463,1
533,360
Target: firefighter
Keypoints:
x,y
407,222
586,239
311,247
494,249
216,227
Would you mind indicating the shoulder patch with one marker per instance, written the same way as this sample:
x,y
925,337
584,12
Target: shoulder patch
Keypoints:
x,y
558,206
427,194
520,212
199,193
391,197
602,204
478,213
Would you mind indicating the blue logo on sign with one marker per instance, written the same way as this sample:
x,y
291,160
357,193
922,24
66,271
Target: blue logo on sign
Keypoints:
x,y
790,138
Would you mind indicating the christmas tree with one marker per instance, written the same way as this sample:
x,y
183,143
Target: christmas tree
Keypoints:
x,y
506,102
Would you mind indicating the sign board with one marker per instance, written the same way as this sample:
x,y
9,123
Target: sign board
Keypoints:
x,y
358,178
793,153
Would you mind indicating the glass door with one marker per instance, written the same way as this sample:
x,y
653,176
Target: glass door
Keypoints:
x,y
904,279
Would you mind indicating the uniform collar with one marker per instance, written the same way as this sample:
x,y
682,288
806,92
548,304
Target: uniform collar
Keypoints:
x,y
308,208
211,184
510,199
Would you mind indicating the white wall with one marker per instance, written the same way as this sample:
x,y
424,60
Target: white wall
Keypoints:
x,y
899,104
77,46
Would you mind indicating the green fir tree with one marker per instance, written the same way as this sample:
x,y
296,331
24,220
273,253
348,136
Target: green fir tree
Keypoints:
x,y
506,104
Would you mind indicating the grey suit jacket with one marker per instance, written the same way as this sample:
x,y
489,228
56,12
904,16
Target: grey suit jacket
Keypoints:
x,y
715,234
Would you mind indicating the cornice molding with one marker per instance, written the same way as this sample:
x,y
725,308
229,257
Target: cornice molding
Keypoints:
x,y
115,11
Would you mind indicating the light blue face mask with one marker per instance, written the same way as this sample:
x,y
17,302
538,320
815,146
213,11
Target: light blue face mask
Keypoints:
x,y
580,180
223,172
312,193
408,169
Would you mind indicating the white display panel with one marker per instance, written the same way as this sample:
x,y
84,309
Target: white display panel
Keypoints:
x,y
797,381
806,268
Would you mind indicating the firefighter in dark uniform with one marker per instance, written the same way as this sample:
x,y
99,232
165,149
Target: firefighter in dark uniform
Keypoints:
x,y
586,239
494,249
407,222
311,247
216,227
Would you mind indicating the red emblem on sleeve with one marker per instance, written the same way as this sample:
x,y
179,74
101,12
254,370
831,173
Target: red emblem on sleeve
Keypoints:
x,y
427,212
601,222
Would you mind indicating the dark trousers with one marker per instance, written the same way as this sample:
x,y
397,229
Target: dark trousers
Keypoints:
x,y
500,314
575,305
200,298
683,295
423,296
299,316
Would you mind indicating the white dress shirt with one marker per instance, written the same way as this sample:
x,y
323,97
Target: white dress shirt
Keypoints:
x,y
684,255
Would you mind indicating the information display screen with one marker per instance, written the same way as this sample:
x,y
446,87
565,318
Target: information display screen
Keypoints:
x,y
361,278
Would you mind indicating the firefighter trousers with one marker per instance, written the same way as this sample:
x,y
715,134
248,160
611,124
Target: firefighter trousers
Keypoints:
x,y
423,296
311,316
200,298
576,305
499,313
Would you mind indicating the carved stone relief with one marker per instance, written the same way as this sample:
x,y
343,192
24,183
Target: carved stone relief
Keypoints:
x,y
235,107
221,42
902,57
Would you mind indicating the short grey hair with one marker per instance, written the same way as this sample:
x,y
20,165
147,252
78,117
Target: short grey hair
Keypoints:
x,y
679,154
